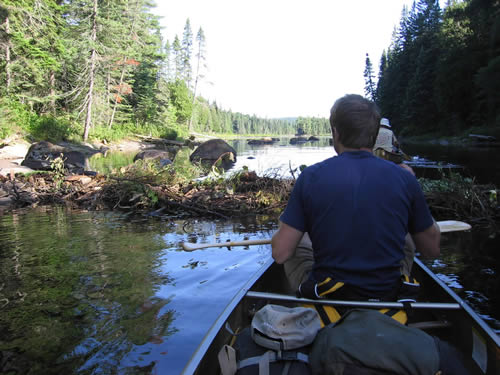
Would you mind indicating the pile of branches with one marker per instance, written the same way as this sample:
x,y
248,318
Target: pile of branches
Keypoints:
x,y
245,194
44,188
462,199
162,194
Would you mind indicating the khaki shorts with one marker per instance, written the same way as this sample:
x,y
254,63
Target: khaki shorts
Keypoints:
x,y
299,266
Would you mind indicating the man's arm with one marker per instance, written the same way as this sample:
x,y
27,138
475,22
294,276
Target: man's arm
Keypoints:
x,y
284,242
427,242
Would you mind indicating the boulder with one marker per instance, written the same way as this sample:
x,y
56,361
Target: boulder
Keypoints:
x,y
211,151
294,141
8,168
41,154
263,141
163,157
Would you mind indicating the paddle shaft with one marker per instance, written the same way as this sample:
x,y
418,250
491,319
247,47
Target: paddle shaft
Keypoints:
x,y
360,304
444,226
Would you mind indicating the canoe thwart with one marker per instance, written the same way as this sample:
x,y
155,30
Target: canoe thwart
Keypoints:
x,y
360,304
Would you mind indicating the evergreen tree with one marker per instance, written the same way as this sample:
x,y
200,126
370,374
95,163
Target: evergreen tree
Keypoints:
x,y
200,63
32,52
186,52
370,86
178,58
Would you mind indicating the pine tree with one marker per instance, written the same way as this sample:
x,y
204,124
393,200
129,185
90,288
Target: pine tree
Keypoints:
x,y
200,63
370,86
32,52
186,52
177,55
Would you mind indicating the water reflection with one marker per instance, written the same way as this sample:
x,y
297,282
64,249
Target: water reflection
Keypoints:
x,y
469,264
280,159
90,293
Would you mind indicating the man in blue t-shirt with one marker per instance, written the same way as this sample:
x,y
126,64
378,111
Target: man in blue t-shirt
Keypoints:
x,y
357,209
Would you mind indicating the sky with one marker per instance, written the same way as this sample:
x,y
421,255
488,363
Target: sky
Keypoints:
x,y
284,58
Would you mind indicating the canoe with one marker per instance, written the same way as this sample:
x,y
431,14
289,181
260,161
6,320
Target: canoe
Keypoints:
x,y
439,312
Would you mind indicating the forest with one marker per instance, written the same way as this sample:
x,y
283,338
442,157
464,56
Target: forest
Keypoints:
x,y
440,74
80,69
100,68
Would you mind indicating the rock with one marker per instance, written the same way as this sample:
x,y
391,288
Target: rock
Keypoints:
x,y
14,151
7,167
162,157
294,141
263,141
40,156
156,154
211,151
6,201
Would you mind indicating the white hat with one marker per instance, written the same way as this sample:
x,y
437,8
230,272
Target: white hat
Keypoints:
x,y
385,122
284,328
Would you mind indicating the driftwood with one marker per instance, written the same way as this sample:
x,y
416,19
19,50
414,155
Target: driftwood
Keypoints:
x,y
161,141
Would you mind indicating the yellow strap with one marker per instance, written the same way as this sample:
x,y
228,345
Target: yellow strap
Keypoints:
x,y
337,285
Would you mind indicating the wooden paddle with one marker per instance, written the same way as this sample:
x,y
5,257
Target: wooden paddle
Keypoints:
x,y
444,226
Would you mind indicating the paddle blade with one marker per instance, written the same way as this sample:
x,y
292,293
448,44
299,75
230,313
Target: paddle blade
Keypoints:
x,y
453,226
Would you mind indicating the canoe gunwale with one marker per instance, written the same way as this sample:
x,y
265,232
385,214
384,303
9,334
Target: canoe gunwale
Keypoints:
x,y
471,313
211,334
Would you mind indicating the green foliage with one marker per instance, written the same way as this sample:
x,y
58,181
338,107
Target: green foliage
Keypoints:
x,y
185,170
453,182
441,72
14,116
454,195
50,128
114,134
181,100
57,166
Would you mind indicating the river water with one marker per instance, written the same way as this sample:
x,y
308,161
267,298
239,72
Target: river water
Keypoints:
x,y
107,293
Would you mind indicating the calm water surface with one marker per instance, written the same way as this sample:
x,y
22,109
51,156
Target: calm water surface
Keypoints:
x,y
100,293
104,293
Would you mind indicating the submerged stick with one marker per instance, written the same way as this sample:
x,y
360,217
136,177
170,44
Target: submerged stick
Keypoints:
x,y
444,226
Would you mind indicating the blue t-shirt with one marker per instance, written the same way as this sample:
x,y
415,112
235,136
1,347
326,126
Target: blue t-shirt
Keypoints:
x,y
357,209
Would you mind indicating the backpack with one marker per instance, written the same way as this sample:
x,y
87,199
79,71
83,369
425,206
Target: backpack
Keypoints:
x,y
368,342
277,342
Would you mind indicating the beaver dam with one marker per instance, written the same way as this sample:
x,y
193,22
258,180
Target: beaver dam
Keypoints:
x,y
143,188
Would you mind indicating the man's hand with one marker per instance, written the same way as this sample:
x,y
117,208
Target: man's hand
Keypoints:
x,y
284,242
428,241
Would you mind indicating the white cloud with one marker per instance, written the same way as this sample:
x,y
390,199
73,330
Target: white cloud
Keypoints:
x,y
278,58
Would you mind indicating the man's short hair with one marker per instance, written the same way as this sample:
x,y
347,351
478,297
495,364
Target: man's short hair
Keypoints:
x,y
356,120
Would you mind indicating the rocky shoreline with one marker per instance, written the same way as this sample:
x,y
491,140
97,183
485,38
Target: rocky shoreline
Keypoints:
x,y
155,192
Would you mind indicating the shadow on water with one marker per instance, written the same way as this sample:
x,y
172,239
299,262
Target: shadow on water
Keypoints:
x,y
100,293
482,163
469,264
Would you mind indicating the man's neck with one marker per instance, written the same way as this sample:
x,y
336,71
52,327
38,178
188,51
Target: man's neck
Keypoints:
x,y
347,149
